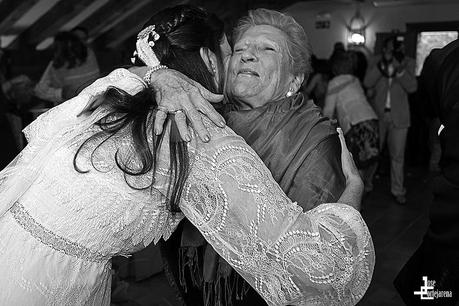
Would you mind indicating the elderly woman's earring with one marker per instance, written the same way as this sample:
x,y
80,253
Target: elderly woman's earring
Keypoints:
x,y
289,93
214,70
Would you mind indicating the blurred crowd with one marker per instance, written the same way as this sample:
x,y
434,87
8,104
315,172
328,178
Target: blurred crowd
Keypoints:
x,y
374,99
72,67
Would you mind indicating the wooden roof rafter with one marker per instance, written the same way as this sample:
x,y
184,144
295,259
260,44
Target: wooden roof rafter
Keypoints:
x,y
53,20
131,25
111,14
35,22
10,12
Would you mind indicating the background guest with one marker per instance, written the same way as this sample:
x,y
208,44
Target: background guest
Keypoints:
x,y
338,48
346,101
392,79
70,70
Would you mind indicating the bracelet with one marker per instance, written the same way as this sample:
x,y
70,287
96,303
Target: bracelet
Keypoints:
x,y
147,76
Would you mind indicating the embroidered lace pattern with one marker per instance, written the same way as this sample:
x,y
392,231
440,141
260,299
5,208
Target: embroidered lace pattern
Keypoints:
x,y
52,240
323,257
56,244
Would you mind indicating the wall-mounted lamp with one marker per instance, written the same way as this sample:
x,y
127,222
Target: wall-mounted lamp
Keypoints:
x,y
356,30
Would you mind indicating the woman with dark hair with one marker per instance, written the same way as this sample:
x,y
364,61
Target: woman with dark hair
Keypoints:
x,y
347,102
96,181
73,67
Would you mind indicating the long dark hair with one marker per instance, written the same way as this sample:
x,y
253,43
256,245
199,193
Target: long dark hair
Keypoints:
x,y
183,30
69,50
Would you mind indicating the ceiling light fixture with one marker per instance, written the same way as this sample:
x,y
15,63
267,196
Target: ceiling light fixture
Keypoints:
x,y
356,29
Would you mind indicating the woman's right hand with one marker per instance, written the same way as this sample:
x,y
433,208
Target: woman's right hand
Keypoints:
x,y
352,194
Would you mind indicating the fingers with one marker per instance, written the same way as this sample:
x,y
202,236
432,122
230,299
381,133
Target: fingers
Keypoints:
x,y
196,121
160,118
212,97
180,120
209,96
344,150
202,103
212,114
342,140
193,99
348,165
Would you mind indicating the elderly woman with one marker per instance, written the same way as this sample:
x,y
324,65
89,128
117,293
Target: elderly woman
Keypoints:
x,y
299,146
263,105
265,72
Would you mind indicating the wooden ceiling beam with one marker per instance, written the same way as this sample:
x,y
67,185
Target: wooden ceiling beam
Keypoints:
x,y
237,8
112,14
11,11
6,7
276,4
132,24
54,20
231,11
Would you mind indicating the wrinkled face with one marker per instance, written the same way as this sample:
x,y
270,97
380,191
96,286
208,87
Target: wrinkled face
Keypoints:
x,y
258,71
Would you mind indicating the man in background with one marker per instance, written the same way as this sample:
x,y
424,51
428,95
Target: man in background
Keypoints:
x,y
392,78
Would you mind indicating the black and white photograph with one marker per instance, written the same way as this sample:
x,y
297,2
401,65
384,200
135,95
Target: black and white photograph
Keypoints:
x,y
229,152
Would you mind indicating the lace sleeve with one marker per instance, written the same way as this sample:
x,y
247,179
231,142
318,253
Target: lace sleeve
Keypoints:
x,y
322,257
56,128
52,122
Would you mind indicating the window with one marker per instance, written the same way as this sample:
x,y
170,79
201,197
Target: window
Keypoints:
x,y
431,40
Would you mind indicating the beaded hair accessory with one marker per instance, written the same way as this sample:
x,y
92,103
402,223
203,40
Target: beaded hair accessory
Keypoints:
x,y
144,46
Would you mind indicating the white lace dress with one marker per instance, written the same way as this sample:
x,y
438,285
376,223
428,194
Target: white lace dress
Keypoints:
x,y
59,228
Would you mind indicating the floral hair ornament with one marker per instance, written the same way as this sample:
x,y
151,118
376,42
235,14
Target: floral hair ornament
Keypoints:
x,y
144,47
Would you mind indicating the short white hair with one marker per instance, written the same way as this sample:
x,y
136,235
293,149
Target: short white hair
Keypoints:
x,y
298,48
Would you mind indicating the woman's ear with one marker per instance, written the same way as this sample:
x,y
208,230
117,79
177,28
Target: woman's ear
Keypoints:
x,y
296,82
210,59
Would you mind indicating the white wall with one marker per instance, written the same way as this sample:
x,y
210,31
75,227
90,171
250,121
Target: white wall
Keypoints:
x,y
378,19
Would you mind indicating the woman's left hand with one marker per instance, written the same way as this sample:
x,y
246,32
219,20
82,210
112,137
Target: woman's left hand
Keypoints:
x,y
178,94
351,173
353,192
